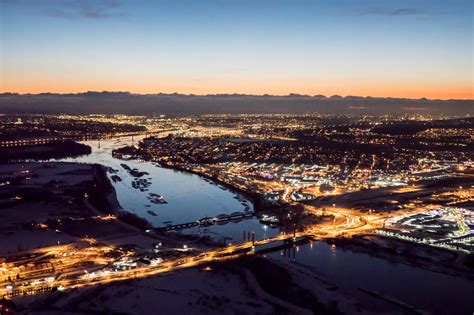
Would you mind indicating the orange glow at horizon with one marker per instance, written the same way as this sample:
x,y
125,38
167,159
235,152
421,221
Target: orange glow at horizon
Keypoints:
x,y
407,90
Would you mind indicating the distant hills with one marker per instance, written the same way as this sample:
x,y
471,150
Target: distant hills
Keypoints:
x,y
181,104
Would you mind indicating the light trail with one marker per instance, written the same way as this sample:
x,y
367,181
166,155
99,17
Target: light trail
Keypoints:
x,y
73,266
71,257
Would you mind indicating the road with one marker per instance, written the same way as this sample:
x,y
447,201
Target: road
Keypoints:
x,y
73,266
90,262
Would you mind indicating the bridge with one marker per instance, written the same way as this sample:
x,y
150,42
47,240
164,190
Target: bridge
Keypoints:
x,y
284,242
222,218
28,142
288,243
53,139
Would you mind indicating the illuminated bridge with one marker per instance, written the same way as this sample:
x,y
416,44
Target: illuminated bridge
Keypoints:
x,y
220,219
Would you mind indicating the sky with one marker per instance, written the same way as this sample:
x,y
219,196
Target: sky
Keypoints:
x,y
382,48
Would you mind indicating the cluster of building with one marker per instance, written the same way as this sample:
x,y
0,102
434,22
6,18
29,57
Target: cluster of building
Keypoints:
x,y
447,227
18,130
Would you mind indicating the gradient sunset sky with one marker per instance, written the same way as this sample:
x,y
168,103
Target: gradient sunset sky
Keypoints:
x,y
415,48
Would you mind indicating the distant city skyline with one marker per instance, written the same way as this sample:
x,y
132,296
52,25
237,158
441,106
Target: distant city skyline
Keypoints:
x,y
408,49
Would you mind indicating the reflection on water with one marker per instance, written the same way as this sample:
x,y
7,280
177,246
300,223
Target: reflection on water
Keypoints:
x,y
433,291
188,197
233,231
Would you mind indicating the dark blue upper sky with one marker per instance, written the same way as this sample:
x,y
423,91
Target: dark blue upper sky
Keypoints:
x,y
400,48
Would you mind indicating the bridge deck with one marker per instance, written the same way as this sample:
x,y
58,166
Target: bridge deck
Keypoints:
x,y
206,222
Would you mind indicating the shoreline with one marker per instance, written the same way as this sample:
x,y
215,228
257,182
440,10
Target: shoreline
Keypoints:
x,y
108,198
351,244
359,244
253,198
48,151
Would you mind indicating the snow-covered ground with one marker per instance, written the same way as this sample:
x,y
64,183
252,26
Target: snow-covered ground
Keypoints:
x,y
191,291
21,219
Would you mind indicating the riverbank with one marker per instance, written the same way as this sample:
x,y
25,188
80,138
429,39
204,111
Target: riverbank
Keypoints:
x,y
270,281
43,205
104,198
393,279
53,150
254,198
416,255
50,203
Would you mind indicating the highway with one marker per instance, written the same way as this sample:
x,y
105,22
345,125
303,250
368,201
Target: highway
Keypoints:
x,y
79,265
89,262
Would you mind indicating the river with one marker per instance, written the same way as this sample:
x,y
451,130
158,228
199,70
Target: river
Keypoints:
x,y
435,292
190,197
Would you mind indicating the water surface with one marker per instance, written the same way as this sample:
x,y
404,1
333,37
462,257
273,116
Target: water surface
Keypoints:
x,y
432,291
189,197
